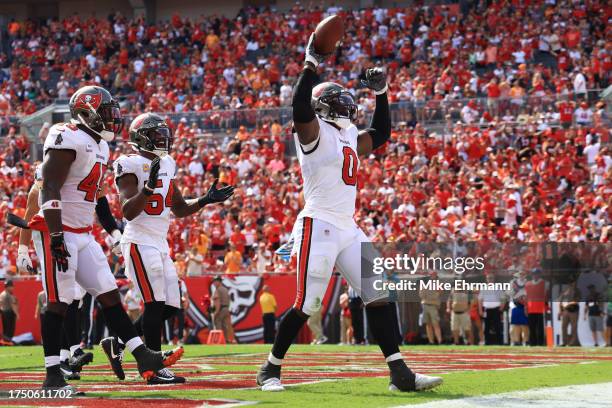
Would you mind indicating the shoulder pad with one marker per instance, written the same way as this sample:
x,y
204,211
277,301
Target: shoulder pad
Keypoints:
x,y
62,136
124,165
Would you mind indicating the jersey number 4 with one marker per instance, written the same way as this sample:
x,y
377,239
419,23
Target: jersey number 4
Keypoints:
x,y
349,166
155,205
91,183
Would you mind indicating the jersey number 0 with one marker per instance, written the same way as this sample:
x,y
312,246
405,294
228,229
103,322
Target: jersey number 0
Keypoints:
x,y
349,166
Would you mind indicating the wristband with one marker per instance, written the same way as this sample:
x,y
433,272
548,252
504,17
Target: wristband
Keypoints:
x,y
311,60
147,191
51,205
382,91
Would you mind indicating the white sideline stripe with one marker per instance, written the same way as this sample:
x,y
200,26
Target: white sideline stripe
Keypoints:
x,y
571,396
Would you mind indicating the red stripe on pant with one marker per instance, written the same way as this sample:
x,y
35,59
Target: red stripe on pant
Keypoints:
x,y
303,263
141,275
50,278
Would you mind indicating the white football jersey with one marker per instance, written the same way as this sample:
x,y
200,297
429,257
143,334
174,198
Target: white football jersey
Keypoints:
x,y
151,225
329,170
80,191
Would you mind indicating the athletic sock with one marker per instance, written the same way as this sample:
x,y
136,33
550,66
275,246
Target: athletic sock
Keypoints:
x,y
64,355
51,333
381,323
170,311
152,322
119,322
287,331
138,325
71,325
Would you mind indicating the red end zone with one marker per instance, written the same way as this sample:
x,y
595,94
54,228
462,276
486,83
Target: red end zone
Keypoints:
x,y
217,373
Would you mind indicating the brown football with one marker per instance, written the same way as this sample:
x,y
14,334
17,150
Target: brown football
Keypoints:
x,y
328,34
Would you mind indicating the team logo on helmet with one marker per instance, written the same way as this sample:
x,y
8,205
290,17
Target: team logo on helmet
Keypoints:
x,y
86,100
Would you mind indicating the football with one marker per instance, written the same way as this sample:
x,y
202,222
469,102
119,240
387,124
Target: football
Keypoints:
x,y
328,34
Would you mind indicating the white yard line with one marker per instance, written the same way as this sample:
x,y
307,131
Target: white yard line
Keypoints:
x,y
571,396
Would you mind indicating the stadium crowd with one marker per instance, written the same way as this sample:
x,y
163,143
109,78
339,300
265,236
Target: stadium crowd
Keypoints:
x,y
495,171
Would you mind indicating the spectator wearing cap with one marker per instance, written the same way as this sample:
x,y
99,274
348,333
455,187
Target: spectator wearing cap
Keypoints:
x,y
536,295
9,307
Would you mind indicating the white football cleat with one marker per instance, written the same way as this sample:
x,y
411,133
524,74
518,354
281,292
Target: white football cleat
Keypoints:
x,y
272,385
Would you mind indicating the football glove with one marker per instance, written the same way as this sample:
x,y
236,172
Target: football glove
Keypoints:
x,y
153,174
376,80
59,253
24,263
311,55
215,195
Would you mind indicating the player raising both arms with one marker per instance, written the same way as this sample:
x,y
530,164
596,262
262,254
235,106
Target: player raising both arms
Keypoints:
x,y
328,145
148,193
75,159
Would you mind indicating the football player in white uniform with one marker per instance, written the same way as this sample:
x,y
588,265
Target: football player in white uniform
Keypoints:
x,y
72,356
145,182
328,147
75,159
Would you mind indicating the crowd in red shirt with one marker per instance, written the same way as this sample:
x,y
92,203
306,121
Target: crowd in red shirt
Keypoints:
x,y
214,62
515,176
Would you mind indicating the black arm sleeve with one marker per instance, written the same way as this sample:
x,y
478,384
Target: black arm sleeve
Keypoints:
x,y
105,216
380,127
302,109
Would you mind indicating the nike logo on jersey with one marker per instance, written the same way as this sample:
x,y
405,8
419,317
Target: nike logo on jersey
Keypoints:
x,y
344,141
98,156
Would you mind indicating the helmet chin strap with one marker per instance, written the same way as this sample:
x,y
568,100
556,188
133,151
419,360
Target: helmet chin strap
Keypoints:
x,y
343,123
104,134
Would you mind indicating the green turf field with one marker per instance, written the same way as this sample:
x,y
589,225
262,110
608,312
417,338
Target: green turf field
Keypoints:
x,y
325,375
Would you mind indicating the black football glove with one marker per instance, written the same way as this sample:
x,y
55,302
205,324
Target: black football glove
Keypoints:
x,y
153,174
376,80
215,195
59,253
311,55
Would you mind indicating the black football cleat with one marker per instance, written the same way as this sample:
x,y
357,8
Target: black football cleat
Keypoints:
x,y
151,362
114,352
54,380
80,359
67,372
165,376
268,377
403,379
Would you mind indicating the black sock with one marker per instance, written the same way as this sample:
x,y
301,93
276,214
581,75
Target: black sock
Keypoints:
x,y
152,321
138,325
170,311
381,321
51,333
119,322
71,325
287,331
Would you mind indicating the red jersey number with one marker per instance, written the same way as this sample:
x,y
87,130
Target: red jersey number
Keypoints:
x,y
90,185
349,166
155,204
